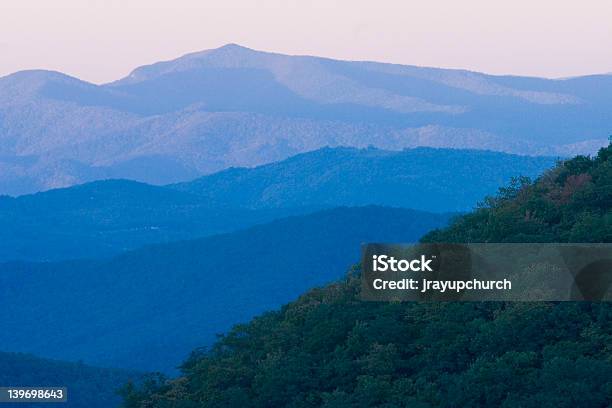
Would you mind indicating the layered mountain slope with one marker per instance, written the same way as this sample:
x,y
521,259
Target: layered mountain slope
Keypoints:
x,y
147,308
103,218
234,106
427,179
330,349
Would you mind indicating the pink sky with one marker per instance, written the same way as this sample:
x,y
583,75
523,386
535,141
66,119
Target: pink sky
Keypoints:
x,y
102,40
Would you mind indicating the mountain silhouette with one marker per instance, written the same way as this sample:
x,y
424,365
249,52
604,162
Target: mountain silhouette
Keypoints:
x,y
233,106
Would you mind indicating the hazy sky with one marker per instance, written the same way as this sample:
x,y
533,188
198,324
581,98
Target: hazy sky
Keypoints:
x,y
100,41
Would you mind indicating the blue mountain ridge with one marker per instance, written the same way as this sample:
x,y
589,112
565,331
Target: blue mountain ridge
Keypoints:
x,y
233,106
146,309
104,218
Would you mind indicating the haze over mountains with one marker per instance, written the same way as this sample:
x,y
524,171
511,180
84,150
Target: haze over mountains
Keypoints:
x,y
103,218
146,309
227,182
427,179
233,106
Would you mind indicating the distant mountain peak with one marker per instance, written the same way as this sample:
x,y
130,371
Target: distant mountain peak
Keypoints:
x,y
187,62
24,84
234,46
37,75
227,49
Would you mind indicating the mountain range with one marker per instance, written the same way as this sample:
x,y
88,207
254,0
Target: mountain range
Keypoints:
x,y
146,309
140,218
428,179
233,106
330,348
103,218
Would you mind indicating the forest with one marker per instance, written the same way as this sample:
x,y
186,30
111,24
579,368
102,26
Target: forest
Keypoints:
x,y
329,349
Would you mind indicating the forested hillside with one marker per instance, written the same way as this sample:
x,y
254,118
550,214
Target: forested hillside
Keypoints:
x,y
569,203
330,349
